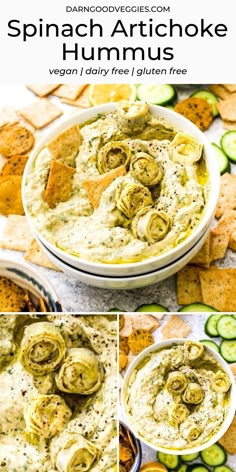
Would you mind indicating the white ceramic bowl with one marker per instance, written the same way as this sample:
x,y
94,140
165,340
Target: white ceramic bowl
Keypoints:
x,y
227,421
152,263
124,282
30,280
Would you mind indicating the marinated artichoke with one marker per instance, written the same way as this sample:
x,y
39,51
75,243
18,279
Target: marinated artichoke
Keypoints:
x,y
193,394
112,155
220,383
193,351
144,168
132,117
178,413
132,198
176,382
191,432
73,453
185,149
150,225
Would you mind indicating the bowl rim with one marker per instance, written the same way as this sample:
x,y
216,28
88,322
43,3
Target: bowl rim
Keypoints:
x,y
227,421
177,120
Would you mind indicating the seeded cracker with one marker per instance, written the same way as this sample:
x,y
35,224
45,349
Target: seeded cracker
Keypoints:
x,y
66,145
17,235
123,360
227,109
188,285
35,255
175,328
196,110
139,339
59,185
42,90
96,186
69,91
121,322
11,296
10,195
218,288
227,198
15,139
14,166
123,344
41,113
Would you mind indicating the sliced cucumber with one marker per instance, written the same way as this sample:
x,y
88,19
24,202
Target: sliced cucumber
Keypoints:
x,y
189,457
149,308
228,350
226,327
228,144
197,468
169,460
210,98
211,344
183,468
222,159
156,94
197,307
223,468
116,310
214,455
211,326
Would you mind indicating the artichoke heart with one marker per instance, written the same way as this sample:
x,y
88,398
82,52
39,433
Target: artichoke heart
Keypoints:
x,y
178,413
112,155
193,394
185,149
220,382
132,198
80,373
45,416
150,225
176,382
191,432
193,351
132,117
42,348
75,454
144,168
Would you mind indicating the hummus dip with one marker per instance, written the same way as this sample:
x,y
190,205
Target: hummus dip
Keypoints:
x,y
58,393
154,203
177,397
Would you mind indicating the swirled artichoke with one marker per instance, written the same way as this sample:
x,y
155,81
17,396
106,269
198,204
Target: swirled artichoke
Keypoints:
x,y
150,225
176,382
178,413
220,382
193,394
185,149
112,155
191,432
132,198
144,168
73,453
132,117
193,351
45,416
80,372
42,348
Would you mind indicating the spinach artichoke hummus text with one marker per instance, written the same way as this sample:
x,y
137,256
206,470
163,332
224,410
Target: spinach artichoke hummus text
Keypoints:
x,y
132,187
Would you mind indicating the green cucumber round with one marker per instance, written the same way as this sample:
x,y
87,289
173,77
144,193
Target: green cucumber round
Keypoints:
x,y
226,327
228,144
156,94
152,307
197,468
189,457
210,98
171,461
214,455
228,350
223,468
197,307
211,326
222,159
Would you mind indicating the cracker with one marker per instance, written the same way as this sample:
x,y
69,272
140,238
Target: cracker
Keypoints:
x,y
69,91
66,145
227,109
232,241
96,186
128,327
36,255
220,91
233,369
228,440
59,185
29,304
144,322
219,244
196,110
221,234
15,139
230,125
188,285
82,101
11,296
10,195
175,327
227,197
202,258
14,166
139,339
230,87
41,113
42,90
122,360
8,116
17,234
121,322
123,344
42,306
218,288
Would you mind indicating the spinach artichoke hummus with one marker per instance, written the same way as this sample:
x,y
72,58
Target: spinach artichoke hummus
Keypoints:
x,y
121,188
58,393
177,397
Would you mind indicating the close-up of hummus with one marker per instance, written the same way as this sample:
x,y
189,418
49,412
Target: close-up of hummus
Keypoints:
x,y
134,187
177,397
58,393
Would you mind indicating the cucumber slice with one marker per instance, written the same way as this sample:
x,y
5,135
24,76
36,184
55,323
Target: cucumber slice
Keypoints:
x,y
211,344
228,350
156,94
226,327
149,308
169,460
223,468
116,310
189,457
197,468
214,455
228,144
222,159
197,307
183,468
210,98
211,326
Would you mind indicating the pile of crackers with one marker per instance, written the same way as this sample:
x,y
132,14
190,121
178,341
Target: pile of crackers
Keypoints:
x,y
14,298
227,104
127,449
70,94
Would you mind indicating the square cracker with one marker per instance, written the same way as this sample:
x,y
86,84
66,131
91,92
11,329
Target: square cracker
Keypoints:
x,y
41,113
42,90
69,91
128,326
175,328
96,186
36,255
66,145
82,101
232,241
202,258
218,288
230,87
230,125
188,285
220,91
17,235
8,116
59,184
144,322
219,244
227,197
227,109
220,235
233,369
228,440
